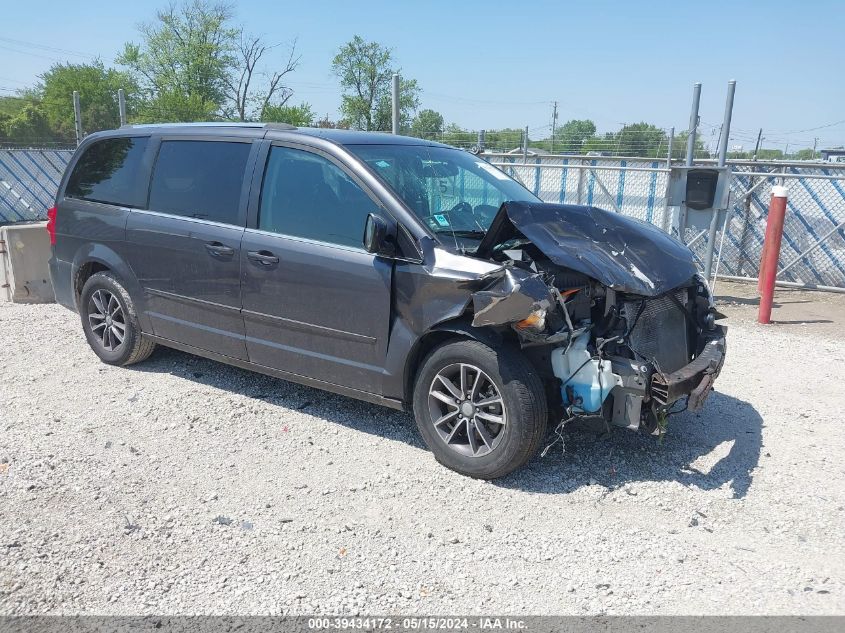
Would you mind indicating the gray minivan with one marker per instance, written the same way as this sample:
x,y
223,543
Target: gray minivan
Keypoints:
x,y
394,270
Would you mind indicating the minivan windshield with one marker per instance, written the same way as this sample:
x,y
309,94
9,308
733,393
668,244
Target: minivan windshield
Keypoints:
x,y
453,192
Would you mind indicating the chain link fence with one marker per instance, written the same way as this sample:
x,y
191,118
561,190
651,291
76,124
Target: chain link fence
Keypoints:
x,y
812,253
813,248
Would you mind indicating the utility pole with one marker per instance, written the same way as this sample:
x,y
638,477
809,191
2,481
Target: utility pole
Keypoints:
x,y
121,105
395,103
757,146
815,144
77,116
554,123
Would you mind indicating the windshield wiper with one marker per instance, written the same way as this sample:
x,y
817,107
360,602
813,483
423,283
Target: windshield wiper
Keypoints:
x,y
473,233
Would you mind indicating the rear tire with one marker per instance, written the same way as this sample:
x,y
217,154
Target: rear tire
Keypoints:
x,y
110,322
482,412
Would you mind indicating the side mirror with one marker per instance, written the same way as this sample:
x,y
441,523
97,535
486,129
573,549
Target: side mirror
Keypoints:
x,y
375,236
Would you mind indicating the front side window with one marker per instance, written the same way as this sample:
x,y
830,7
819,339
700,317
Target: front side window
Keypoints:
x,y
108,172
306,195
199,179
453,192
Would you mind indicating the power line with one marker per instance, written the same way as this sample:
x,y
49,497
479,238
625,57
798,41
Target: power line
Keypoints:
x,y
44,47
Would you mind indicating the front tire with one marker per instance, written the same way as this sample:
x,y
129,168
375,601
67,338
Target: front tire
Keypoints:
x,y
482,412
110,322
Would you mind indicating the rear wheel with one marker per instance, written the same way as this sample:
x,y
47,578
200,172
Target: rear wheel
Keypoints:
x,y
482,412
110,323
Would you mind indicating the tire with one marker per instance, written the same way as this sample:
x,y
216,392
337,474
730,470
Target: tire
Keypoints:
x,y
503,446
104,295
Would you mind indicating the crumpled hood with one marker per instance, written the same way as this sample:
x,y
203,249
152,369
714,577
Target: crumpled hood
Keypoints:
x,y
620,252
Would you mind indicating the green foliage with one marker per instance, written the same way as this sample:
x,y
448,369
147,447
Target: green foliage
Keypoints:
x,y
300,116
97,86
29,126
183,61
640,139
427,124
770,154
570,136
365,70
804,154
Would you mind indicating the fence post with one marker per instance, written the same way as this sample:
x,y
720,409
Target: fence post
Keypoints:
x,y
121,105
77,116
525,147
395,103
693,126
771,252
723,158
665,223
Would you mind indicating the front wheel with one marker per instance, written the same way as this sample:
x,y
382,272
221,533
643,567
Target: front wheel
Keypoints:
x,y
482,412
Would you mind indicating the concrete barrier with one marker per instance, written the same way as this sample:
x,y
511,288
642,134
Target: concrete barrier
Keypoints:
x,y
24,271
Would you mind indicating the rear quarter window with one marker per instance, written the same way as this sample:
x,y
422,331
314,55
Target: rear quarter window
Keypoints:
x,y
109,171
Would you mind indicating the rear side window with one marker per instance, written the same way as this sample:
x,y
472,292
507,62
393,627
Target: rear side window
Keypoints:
x,y
199,179
306,195
109,171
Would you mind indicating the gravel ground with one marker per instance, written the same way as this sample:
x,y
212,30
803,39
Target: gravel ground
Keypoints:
x,y
185,486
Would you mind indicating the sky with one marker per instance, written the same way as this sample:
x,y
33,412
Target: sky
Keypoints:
x,y
487,64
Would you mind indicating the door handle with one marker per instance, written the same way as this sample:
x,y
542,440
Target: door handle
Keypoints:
x,y
264,258
219,250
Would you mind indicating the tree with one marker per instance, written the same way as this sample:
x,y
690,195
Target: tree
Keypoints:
x,y
29,126
679,147
300,116
365,70
572,134
97,86
427,124
240,82
184,61
640,139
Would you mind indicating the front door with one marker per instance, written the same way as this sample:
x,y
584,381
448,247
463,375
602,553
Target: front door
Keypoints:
x,y
315,303
185,249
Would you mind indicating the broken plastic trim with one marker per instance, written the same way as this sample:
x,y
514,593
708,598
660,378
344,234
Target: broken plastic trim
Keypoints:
x,y
513,296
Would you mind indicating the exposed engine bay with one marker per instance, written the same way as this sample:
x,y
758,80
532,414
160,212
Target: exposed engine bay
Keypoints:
x,y
625,330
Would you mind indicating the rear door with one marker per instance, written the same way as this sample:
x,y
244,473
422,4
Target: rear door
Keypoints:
x,y
185,247
315,303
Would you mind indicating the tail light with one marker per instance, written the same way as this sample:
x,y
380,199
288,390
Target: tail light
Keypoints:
x,y
51,224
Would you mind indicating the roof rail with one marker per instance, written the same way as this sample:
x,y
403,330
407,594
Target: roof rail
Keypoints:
x,y
266,126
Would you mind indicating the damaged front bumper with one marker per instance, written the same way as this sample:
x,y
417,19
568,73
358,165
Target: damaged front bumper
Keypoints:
x,y
694,380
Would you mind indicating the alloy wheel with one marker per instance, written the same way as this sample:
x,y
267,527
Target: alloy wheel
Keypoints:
x,y
467,409
106,318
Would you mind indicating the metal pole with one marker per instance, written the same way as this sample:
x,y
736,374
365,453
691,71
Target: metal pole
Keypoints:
x,y
395,103
666,215
693,123
669,153
481,135
769,268
723,157
121,105
525,146
77,116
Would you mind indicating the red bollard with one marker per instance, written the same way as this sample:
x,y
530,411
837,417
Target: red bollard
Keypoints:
x,y
771,252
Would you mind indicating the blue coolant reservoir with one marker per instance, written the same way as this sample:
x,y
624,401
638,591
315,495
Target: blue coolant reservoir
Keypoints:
x,y
590,379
